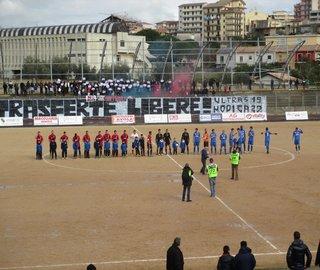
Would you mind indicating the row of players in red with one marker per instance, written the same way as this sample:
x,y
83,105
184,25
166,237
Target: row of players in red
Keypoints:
x,y
99,137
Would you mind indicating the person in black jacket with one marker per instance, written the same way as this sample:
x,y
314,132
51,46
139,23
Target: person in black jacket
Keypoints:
x,y
318,256
174,256
296,254
244,260
204,157
187,173
159,137
226,261
185,136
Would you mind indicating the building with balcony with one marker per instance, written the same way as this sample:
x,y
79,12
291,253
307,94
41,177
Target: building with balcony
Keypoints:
x,y
303,9
167,27
252,20
190,18
223,20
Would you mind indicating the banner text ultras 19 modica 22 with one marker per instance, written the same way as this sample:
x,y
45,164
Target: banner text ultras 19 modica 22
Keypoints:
x,y
132,106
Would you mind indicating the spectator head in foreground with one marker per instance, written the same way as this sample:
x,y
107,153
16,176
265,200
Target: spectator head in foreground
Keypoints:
x,y
226,250
296,235
177,241
243,244
91,267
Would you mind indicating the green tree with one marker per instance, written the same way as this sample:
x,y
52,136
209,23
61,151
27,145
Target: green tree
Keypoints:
x,y
150,34
35,68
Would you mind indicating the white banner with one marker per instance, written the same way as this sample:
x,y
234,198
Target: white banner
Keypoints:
x,y
215,117
70,120
303,115
205,117
179,118
11,121
255,116
45,121
123,119
233,117
155,118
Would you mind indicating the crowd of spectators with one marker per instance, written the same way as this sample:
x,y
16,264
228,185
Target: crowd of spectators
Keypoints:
x,y
116,87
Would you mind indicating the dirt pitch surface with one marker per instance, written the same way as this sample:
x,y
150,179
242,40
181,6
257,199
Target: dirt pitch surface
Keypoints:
x,y
123,213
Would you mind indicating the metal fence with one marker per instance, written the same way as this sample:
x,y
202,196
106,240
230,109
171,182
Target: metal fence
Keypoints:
x,y
279,103
214,62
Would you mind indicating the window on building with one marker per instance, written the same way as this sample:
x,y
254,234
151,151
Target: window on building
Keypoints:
x,y
269,57
221,59
250,57
118,58
122,43
241,59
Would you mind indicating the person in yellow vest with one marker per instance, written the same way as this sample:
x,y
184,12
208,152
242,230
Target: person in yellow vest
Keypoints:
x,y
212,170
235,159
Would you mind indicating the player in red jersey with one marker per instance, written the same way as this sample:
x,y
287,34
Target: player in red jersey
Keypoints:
x,y
106,143
76,145
149,144
124,140
86,141
64,144
53,145
99,140
39,140
115,146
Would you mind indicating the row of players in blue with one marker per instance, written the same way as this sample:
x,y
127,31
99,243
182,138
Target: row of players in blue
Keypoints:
x,y
239,140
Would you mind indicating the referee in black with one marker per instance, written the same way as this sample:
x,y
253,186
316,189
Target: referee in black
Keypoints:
x,y
159,136
185,136
167,141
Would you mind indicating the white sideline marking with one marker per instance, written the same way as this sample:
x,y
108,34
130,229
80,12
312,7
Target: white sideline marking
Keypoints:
x,y
131,261
227,206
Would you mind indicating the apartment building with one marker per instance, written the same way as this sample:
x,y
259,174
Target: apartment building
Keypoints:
x,y
253,20
224,19
167,27
190,18
303,9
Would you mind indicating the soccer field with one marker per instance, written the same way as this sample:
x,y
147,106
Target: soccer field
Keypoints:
x,y
123,213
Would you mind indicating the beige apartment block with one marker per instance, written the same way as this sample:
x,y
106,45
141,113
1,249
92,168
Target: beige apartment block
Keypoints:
x,y
223,20
190,17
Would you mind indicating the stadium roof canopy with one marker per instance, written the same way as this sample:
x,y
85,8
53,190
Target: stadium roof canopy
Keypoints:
x,y
98,28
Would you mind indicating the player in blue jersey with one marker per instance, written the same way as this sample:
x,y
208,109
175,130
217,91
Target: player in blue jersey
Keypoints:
x,y
250,139
175,146
296,137
196,141
136,144
161,146
183,146
223,142
231,137
213,141
267,138
124,149
243,137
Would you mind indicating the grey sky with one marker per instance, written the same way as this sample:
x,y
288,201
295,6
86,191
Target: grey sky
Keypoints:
x,y
14,13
